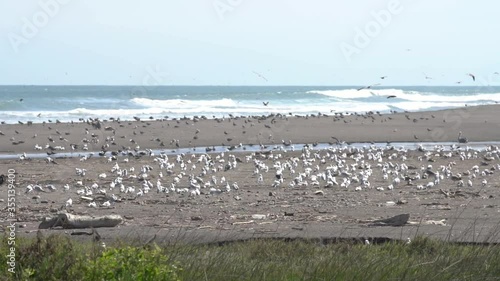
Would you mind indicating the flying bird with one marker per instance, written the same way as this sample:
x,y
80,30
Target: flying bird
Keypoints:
x,y
383,77
427,77
368,87
391,96
260,75
473,77
265,103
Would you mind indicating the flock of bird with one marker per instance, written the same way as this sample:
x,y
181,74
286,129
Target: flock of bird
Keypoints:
x,y
280,167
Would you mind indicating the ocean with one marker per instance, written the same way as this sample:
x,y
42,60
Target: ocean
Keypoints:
x,y
69,103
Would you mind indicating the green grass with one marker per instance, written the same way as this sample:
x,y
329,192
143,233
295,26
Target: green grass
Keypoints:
x,y
60,258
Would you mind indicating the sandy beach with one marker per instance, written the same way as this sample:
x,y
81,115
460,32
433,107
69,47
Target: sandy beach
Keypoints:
x,y
253,207
478,124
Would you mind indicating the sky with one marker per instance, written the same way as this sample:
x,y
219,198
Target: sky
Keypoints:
x,y
249,42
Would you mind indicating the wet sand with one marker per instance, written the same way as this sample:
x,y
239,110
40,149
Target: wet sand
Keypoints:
x,y
477,124
444,211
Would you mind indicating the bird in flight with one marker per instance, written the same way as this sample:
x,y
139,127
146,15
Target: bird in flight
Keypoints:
x,y
265,103
260,75
368,87
383,77
21,100
427,77
391,96
473,77
496,73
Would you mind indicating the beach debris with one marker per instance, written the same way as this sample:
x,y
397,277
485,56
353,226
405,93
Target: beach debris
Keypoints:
x,y
95,235
459,193
70,221
242,222
399,220
259,217
390,203
429,222
319,192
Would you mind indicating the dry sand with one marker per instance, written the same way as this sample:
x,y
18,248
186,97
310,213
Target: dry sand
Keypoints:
x,y
470,214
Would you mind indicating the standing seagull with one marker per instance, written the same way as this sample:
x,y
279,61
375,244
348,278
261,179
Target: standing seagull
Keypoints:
x,y
462,139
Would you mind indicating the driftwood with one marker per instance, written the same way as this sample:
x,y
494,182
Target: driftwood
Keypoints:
x,y
70,221
399,220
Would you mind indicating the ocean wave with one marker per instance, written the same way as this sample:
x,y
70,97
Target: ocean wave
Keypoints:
x,y
408,95
177,111
339,101
181,103
355,94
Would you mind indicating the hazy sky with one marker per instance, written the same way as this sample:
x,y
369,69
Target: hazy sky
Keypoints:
x,y
246,42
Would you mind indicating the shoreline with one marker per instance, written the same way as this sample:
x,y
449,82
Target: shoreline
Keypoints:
x,y
478,124
446,146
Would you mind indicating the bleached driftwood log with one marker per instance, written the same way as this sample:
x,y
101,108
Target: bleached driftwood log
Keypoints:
x,y
69,221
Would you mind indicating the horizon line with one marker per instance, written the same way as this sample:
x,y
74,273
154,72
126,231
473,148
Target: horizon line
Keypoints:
x,y
214,85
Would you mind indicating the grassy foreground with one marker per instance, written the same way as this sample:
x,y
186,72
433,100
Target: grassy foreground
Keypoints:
x,y
60,258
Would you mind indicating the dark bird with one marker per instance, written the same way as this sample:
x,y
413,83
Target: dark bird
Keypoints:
x,y
21,100
336,139
260,75
391,96
462,139
2,179
368,87
265,103
383,77
496,73
427,77
473,77
458,82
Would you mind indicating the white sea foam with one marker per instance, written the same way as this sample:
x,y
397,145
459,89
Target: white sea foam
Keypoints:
x,y
408,95
300,102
